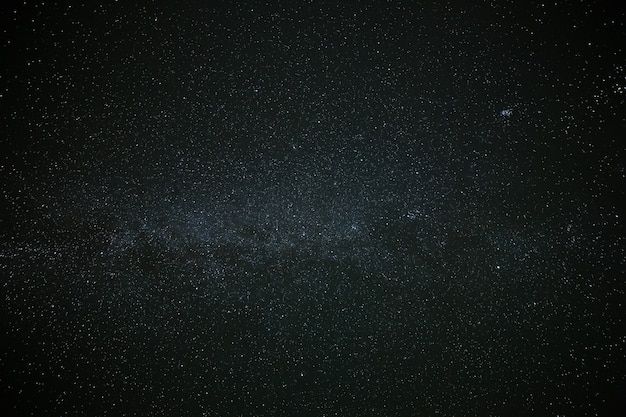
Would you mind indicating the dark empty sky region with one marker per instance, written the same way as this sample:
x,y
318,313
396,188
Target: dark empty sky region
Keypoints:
x,y
312,208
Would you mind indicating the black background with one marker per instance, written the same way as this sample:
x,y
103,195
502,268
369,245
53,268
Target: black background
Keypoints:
x,y
312,208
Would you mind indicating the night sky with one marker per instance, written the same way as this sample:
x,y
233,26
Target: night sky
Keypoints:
x,y
312,208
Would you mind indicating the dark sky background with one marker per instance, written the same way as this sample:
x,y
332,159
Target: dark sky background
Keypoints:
x,y
312,208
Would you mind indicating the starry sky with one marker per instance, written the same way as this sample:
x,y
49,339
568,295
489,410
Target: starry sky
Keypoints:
x,y
312,208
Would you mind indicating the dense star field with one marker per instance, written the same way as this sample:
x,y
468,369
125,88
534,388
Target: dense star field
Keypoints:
x,y
312,208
